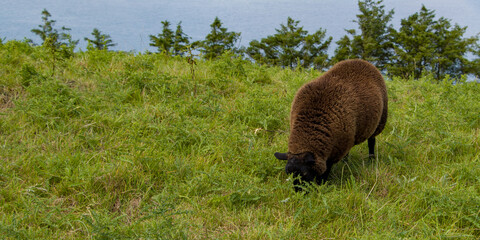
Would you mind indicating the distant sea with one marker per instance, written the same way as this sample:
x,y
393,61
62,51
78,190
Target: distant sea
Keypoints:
x,y
130,22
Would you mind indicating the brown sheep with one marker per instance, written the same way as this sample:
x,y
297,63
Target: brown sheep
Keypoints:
x,y
344,107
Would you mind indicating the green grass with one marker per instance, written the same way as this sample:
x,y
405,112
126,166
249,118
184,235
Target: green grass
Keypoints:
x,y
119,146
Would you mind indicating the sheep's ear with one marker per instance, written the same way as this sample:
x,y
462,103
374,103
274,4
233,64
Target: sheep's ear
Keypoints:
x,y
281,156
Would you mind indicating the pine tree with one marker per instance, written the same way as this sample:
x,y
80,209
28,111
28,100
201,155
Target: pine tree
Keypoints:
x,y
451,50
373,43
473,67
180,41
58,43
163,41
413,45
292,46
315,50
170,42
100,41
46,30
57,40
347,48
218,41
425,45
289,38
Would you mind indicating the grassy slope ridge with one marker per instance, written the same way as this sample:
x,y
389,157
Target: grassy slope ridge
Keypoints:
x,y
116,145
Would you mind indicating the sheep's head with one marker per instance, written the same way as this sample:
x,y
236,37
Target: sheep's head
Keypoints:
x,y
300,165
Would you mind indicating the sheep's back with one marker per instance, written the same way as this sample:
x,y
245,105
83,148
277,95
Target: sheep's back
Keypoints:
x,y
367,95
342,108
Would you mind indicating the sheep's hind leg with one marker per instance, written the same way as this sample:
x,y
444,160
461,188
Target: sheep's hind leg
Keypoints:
x,y
371,147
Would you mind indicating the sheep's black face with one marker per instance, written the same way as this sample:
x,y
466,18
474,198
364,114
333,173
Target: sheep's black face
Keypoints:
x,y
300,165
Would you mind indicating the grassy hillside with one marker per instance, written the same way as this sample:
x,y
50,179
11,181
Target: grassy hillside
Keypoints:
x,y
116,145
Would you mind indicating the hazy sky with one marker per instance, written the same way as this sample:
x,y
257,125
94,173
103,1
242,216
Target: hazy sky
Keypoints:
x,y
130,22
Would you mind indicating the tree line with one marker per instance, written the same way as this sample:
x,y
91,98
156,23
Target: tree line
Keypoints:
x,y
422,45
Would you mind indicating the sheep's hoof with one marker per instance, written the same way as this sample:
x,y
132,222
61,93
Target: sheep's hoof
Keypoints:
x,y
371,156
